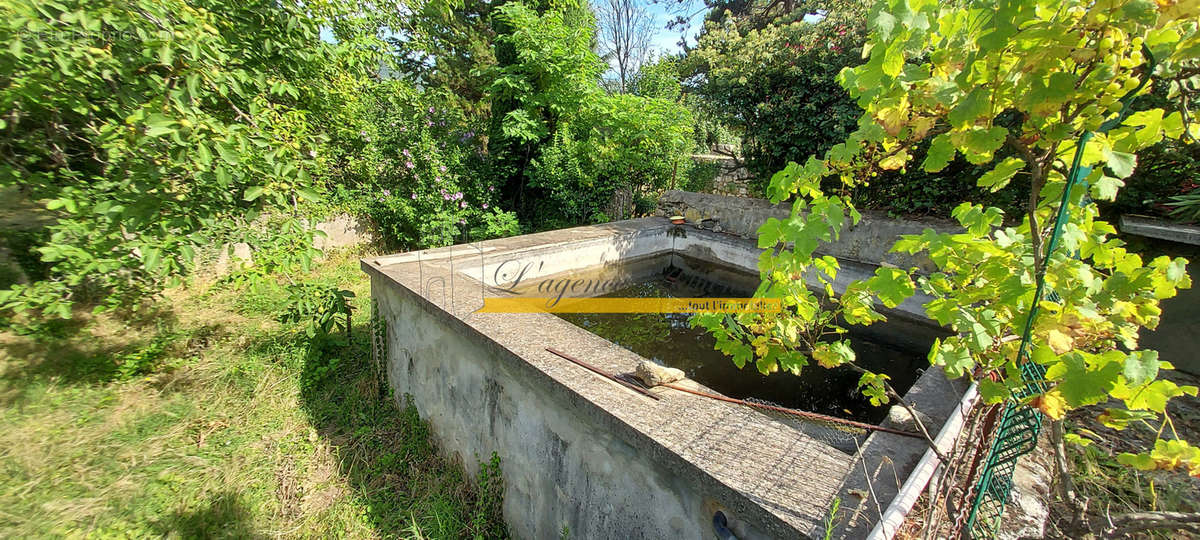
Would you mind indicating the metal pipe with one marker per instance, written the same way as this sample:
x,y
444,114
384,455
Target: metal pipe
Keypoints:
x,y
891,520
794,412
721,527
603,373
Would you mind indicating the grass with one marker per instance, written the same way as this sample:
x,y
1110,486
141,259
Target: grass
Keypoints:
x,y
205,418
1112,488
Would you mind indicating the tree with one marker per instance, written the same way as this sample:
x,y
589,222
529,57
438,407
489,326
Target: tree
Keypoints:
x,y
659,79
1050,82
447,48
624,31
545,69
607,154
148,130
776,82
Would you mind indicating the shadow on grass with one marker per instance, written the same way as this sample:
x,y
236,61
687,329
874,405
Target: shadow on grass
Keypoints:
x,y
65,352
225,516
386,453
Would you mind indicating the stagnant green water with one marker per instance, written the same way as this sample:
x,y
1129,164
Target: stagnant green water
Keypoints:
x,y
669,339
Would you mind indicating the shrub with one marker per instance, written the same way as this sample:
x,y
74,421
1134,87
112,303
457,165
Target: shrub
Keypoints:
x,y
150,129
778,84
659,79
412,166
319,308
610,151
701,176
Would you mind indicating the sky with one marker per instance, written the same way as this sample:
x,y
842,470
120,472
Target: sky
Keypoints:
x,y
666,41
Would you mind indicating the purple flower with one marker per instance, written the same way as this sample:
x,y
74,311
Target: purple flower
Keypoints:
x,y
431,110
462,222
441,168
491,188
387,193
485,206
409,164
462,204
458,196
428,123
414,195
405,152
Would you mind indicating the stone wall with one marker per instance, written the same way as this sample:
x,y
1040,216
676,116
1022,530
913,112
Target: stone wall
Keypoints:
x,y
732,178
341,230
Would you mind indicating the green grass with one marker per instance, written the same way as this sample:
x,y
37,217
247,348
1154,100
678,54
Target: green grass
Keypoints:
x,y
192,421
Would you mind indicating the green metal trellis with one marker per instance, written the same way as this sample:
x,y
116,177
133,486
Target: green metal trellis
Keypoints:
x,y
1020,425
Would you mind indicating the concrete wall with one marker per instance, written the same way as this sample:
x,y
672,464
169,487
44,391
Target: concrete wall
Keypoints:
x,y
868,242
344,230
565,462
575,449
1177,337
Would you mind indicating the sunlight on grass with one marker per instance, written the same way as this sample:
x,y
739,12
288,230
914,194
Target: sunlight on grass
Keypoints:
x,y
213,435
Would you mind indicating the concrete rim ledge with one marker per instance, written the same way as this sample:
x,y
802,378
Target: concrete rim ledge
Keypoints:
x,y
773,480
1161,229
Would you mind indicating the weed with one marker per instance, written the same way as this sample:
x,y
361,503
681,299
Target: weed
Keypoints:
x,y
490,484
144,359
317,308
831,519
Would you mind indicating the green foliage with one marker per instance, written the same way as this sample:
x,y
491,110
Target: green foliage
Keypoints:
x,y
777,83
1186,207
971,80
1165,169
545,70
660,79
488,504
447,46
496,224
613,145
148,131
831,518
701,176
144,359
318,308
555,72
411,164
566,153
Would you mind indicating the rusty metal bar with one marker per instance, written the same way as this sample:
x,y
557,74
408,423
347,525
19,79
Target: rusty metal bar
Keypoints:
x,y
603,373
794,412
